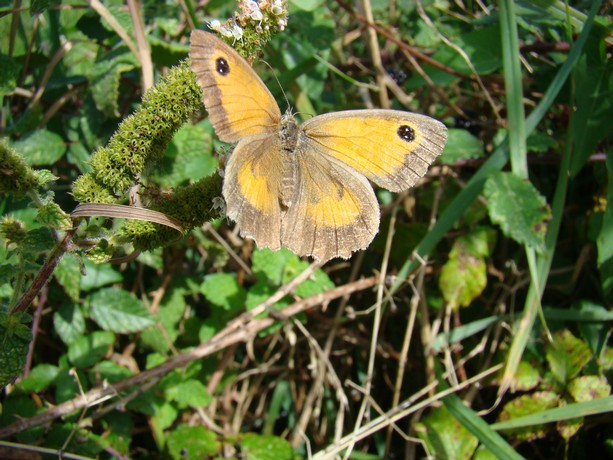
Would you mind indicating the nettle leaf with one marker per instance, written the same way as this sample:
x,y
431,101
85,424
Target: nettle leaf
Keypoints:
x,y
90,349
15,337
223,290
191,443
38,240
567,356
42,147
122,16
119,311
9,71
105,76
189,156
51,215
68,274
518,208
166,52
461,145
45,177
259,447
69,322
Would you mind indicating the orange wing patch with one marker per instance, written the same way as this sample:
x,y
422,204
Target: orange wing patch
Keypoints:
x,y
391,148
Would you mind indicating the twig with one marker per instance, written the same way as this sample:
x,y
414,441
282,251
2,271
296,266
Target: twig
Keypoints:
x,y
240,330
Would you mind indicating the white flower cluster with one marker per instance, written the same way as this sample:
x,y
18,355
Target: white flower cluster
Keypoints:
x,y
262,13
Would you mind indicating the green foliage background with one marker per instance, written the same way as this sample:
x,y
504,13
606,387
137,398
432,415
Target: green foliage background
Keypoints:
x,y
489,335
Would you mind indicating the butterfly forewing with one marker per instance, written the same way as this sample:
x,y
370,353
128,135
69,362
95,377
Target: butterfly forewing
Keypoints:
x,y
237,101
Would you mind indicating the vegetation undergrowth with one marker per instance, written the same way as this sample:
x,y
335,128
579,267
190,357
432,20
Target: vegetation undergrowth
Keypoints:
x,y
141,325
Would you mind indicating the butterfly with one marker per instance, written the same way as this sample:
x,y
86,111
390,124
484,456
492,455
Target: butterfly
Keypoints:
x,y
306,186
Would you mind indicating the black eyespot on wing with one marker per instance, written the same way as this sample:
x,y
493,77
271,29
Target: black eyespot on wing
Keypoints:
x,y
406,133
222,67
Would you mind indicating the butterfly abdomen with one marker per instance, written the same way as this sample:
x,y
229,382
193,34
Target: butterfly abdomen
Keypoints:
x,y
288,138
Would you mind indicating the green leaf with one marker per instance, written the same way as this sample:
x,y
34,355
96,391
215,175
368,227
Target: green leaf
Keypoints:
x,y
527,377
462,279
481,47
223,290
14,409
445,437
38,240
306,5
540,142
164,414
98,275
519,209
191,393
257,447
119,311
68,274
39,378
105,76
108,371
464,276
166,52
526,405
88,350
51,215
270,265
188,156
9,72
192,443
317,283
66,386
122,16
479,428
589,387
15,337
42,147
69,322
170,313
567,356
461,145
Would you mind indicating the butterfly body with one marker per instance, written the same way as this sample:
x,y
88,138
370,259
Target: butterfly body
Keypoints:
x,y
306,186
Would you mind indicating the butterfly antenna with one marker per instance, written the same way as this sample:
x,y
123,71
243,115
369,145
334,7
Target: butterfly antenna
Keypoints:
x,y
289,108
